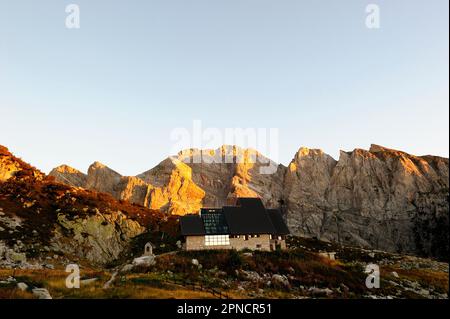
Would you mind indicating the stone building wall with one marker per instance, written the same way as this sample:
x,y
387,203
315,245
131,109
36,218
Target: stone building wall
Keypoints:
x,y
255,243
263,242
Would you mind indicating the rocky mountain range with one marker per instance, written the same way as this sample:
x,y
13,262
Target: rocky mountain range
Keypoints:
x,y
47,220
46,225
379,198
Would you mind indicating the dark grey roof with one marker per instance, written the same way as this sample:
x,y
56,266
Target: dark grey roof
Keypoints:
x,y
191,225
250,202
248,220
278,222
248,217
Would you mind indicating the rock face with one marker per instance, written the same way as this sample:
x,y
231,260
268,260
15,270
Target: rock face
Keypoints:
x,y
380,198
100,238
103,179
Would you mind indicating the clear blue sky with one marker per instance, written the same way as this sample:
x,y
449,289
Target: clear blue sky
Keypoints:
x,y
114,89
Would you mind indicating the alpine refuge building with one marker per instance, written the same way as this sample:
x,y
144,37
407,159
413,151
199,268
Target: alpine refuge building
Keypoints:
x,y
247,225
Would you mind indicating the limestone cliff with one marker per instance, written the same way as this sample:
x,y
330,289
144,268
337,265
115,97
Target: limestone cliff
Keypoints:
x,y
377,198
188,181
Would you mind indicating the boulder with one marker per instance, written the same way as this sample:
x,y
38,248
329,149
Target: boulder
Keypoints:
x,y
22,286
280,280
127,268
16,257
41,293
89,281
144,261
9,280
252,276
320,292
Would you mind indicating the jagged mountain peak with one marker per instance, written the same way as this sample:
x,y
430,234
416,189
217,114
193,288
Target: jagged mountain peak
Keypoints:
x,y
374,148
309,152
98,165
66,169
69,175
223,154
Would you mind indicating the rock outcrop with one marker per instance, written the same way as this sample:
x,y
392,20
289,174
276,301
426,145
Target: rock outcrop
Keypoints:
x,y
11,165
102,179
100,238
8,167
70,176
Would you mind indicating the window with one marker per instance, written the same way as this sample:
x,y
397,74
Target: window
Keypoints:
x,y
214,223
217,240
246,237
258,246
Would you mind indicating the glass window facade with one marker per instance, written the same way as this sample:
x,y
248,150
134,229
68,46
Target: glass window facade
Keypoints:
x,y
214,223
217,240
